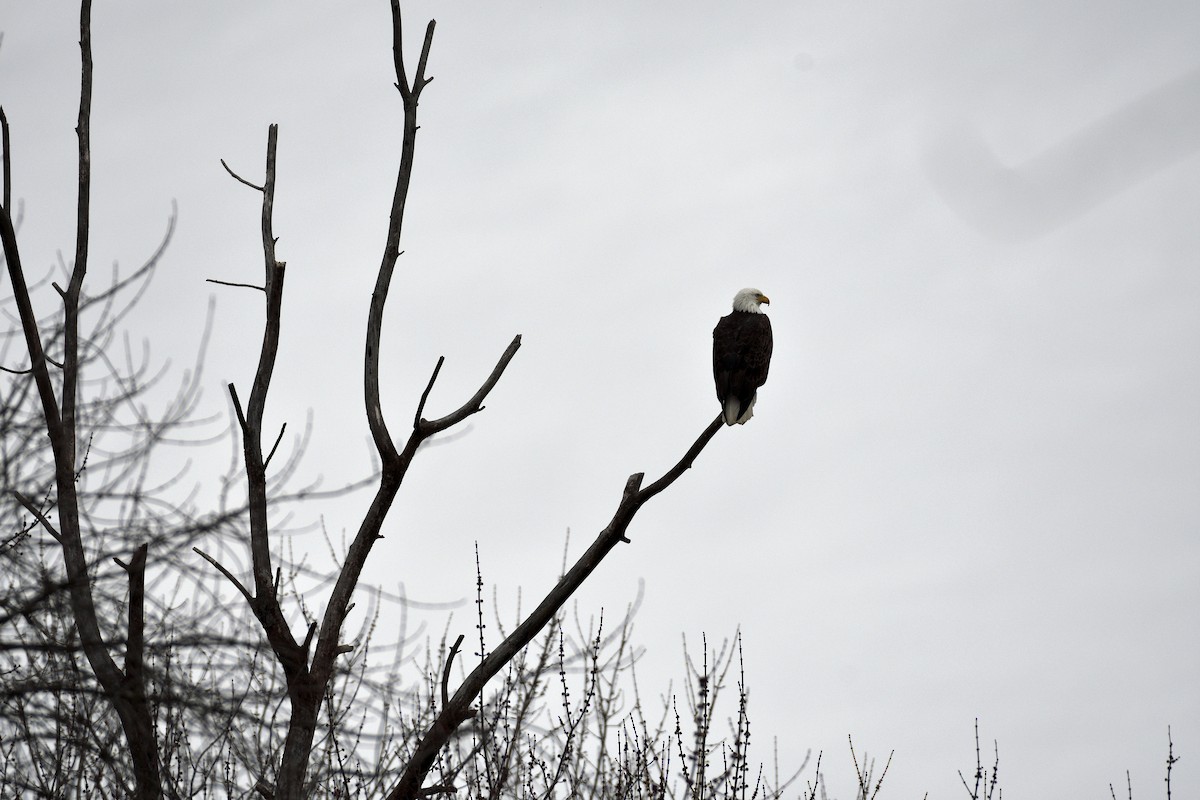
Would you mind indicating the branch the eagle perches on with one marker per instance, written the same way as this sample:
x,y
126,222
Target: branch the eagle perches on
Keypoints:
x,y
457,709
309,665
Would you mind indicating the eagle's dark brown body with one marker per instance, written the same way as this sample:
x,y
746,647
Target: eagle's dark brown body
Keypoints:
x,y
742,344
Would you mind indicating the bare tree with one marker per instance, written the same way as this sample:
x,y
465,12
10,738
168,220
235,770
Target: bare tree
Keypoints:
x,y
308,676
80,464
308,661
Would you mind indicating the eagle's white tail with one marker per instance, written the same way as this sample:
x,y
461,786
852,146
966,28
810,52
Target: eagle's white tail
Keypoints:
x,y
731,411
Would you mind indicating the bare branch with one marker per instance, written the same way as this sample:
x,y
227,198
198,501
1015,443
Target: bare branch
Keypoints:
x,y
684,464
6,147
265,602
82,232
425,394
237,407
391,252
10,371
220,568
458,709
475,404
240,179
419,80
274,447
446,670
238,285
29,326
290,655
38,515
135,643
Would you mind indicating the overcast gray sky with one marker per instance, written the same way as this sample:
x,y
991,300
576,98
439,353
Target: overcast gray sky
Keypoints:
x,y
972,484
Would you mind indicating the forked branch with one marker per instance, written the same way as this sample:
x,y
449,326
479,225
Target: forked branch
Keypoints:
x,y
308,686
264,601
411,96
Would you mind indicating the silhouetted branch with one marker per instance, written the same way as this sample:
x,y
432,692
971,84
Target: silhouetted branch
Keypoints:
x,y
274,447
235,284
425,394
264,602
426,428
38,515
240,179
6,157
458,709
136,616
446,670
232,579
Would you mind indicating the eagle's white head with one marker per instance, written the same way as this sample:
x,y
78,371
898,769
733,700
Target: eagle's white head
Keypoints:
x,y
749,300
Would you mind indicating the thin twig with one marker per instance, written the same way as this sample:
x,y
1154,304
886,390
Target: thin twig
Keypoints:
x,y
1171,759
237,407
278,439
446,670
425,394
38,515
5,145
240,179
220,568
238,285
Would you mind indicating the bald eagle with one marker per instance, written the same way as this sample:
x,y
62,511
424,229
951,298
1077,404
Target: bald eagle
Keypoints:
x,y
741,355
